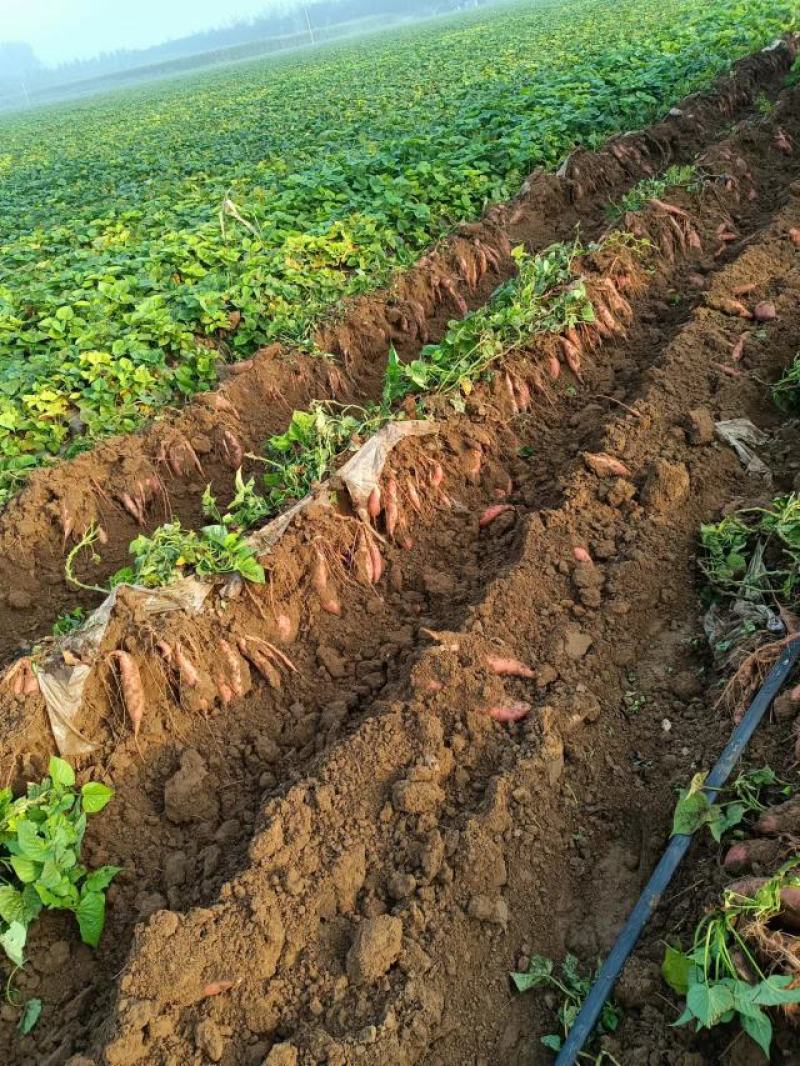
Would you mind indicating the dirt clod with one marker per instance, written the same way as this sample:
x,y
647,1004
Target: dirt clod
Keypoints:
x,y
209,1040
700,426
577,644
187,796
376,947
667,485
491,911
401,885
282,1055
417,797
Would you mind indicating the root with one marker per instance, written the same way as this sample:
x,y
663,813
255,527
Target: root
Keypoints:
x,y
750,675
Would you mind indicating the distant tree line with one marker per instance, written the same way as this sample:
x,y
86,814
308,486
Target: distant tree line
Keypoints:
x,y
292,24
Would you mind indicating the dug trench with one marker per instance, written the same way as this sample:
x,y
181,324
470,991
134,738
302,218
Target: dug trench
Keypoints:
x,y
131,484
345,865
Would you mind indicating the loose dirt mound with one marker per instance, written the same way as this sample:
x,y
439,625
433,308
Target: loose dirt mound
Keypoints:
x,y
343,864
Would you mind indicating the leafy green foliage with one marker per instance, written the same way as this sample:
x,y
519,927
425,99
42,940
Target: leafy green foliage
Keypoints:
x,y
30,1016
133,226
755,551
217,549
684,177
573,989
246,509
725,544
41,835
543,297
69,622
696,809
303,455
786,391
709,977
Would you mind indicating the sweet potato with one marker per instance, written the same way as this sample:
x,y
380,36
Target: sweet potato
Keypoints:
x,y
224,689
130,681
733,307
572,355
510,712
509,384
765,311
523,393
504,666
781,819
374,503
232,450
187,671
216,988
165,650
493,512
234,665
320,582
413,495
22,678
377,561
605,465
670,209
391,510
582,556
737,351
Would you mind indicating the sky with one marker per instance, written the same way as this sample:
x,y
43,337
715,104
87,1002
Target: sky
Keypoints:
x,y
59,30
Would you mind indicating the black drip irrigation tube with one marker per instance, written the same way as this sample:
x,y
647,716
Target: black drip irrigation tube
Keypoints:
x,y
670,860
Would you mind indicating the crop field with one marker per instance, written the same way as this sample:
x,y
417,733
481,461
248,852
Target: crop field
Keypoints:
x,y
144,238
417,513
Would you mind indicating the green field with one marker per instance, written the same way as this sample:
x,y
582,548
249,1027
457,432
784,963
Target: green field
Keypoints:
x,y
337,167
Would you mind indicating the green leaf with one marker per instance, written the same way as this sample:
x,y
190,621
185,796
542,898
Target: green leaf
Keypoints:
x,y
95,796
686,1016
100,879
729,816
26,869
13,942
773,991
91,915
12,905
554,1042
759,1028
710,1002
30,844
30,1016
691,812
61,772
675,970
252,570
538,973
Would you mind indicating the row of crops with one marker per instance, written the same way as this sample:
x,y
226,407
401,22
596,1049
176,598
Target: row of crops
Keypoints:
x,y
244,206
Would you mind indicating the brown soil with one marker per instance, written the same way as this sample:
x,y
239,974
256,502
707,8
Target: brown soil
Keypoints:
x,y
358,851
132,483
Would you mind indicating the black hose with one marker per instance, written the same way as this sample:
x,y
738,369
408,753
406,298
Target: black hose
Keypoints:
x,y
670,860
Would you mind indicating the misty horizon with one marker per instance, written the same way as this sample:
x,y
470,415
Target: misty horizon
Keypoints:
x,y
172,45
65,31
